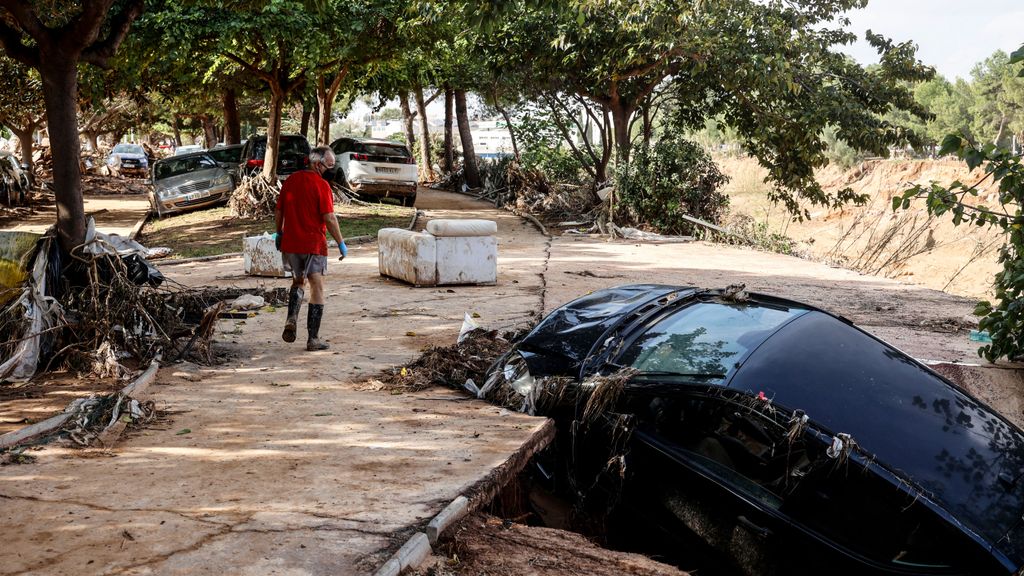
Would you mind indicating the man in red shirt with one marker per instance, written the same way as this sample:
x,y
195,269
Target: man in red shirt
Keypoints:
x,y
305,212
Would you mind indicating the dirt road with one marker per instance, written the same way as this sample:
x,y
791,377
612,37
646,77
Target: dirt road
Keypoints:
x,y
287,462
113,215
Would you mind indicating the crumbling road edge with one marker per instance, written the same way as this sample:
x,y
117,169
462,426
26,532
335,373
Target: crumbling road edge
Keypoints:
x,y
418,547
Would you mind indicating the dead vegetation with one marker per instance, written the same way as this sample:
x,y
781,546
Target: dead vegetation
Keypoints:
x,y
255,197
450,366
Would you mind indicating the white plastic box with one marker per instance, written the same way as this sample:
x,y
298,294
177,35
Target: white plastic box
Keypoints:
x,y
262,258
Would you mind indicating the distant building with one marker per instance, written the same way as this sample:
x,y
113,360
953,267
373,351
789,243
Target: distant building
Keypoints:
x,y
491,139
385,129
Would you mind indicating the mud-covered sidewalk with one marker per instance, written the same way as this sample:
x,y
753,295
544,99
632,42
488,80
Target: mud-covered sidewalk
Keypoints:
x,y
287,462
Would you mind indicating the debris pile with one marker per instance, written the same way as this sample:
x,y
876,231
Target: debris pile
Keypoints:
x,y
254,197
452,365
96,184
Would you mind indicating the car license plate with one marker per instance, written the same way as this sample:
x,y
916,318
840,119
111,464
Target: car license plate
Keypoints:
x,y
386,170
196,196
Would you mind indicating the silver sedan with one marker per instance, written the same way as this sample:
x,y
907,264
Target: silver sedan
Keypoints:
x,y
188,181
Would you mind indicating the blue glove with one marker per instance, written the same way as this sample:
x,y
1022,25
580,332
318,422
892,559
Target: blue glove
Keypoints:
x,y
343,249
277,241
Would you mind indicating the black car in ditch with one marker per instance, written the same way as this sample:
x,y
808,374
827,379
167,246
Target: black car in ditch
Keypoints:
x,y
782,437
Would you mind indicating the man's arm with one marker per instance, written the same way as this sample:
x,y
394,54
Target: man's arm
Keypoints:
x,y
278,220
332,226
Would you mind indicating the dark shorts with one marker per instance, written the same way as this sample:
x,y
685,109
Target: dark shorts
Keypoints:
x,y
302,265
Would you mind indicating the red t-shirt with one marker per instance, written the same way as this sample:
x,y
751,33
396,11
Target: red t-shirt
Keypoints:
x,y
304,199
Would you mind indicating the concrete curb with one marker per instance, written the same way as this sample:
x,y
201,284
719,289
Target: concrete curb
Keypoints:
x,y
410,555
138,226
450,515
419,546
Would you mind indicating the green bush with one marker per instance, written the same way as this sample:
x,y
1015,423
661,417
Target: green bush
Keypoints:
x,y
672,178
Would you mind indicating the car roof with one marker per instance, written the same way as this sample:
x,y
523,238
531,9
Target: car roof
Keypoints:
x,y
959,452
369,140
177,157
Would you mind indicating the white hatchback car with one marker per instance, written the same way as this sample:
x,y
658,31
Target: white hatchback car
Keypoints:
x,y
371,167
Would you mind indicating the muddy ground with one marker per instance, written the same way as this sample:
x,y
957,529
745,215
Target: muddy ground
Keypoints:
x,y
282,461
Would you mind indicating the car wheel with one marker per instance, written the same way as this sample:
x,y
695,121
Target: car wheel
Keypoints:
x,y
341,180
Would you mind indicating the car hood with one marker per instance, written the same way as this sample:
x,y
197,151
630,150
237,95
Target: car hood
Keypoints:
x,y
189,178
129,156
963,457
564,339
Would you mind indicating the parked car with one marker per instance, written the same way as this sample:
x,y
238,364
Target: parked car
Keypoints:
x,y
784,438
129,159
188,181
293,155
380,168
228,157
14,179
188,149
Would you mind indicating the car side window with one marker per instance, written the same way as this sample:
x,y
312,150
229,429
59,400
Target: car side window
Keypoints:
x,y
734,437
864,513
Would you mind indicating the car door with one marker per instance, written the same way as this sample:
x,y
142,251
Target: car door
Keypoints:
x,y
700,467
862,521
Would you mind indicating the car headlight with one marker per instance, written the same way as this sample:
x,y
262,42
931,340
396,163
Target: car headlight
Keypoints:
x,y
517,374
221,180
163,193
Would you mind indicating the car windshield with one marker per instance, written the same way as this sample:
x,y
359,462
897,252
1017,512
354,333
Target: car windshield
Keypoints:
x,y
380,149
294,145
128,149
226,154
705,338
178,166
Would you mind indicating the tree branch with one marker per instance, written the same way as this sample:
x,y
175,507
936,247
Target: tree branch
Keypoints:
x,y
10,39
267,77
26,19
568,138
100,53
434,97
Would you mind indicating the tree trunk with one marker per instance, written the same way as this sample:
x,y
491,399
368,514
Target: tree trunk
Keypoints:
x,y
316,117
93,139
648,127
25,143
60,89
407,120
449,144
232,127
468,153
176,127
277,98
601,170
209,131
620,123
427,172
307,111
512,135
1001,131
325,95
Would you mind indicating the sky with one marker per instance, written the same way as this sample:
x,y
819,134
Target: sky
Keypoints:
x,y
951,35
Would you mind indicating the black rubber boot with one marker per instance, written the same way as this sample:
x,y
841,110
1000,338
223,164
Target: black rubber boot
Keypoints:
x,y
294,304
313,317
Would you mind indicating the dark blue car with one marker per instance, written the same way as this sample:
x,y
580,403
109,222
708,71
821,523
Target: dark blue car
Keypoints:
x,y
784,438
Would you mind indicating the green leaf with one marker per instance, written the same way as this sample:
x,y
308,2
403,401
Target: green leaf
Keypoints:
x,y
951,144
183,431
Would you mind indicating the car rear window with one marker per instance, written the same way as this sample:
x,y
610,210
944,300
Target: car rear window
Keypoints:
x,y
178,166
378,149
705,338
289,145
226,154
